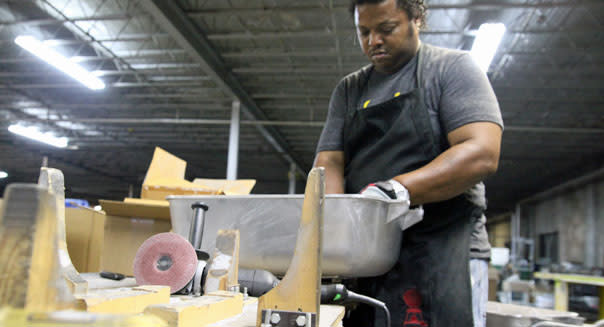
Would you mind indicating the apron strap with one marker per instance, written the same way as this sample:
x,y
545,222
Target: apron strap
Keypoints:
x,y
362,80
419,69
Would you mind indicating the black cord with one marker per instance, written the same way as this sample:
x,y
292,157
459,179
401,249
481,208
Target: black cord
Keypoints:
x,y
354,297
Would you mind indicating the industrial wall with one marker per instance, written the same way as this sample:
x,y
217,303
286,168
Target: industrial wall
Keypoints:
x,y
571,222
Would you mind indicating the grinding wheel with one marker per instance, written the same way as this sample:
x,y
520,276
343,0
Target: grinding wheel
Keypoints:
x,y
165,259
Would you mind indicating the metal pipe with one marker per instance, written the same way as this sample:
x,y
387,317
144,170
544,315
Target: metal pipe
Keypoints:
x,y
292,179
233,142
197,224
515,232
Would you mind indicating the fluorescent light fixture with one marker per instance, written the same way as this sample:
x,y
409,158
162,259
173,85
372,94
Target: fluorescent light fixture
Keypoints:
x,y
42,51
3,174
486,43
34,133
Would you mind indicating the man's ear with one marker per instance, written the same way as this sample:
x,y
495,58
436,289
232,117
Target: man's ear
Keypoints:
x,y
418,23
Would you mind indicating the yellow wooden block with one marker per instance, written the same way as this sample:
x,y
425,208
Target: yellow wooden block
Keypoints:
x,y
30,274
125,300
53,180
189,311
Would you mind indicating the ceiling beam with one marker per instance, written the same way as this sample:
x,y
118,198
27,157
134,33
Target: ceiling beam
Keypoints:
x,y
324,32
548,129
52,21
308,9
192,84
179,121
173,19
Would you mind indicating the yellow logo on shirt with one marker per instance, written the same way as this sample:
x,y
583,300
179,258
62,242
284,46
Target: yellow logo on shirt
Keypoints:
x,y
366,104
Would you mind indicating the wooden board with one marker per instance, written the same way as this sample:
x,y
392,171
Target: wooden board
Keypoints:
x,y
11,317
125,300
330,316
300,288
186,311
95,282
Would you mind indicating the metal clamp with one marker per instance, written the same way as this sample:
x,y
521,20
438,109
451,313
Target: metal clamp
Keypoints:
x,y
277,318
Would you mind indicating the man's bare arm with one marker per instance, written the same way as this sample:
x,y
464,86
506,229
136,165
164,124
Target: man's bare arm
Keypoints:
x,y
473,155
333,161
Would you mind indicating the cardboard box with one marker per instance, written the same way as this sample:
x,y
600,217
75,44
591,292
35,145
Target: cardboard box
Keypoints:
x,y
493,282
84,229
123,237
227,187
166,176
140,208
131,222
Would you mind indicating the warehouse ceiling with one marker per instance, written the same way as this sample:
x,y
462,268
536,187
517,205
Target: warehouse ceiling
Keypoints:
x,y
173,70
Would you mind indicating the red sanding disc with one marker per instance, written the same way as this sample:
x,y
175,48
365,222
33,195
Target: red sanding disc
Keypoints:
x,y
165,259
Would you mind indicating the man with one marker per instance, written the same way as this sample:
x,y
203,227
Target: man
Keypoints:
x,y
423,122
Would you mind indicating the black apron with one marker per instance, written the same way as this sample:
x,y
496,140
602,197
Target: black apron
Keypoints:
x,y
430,283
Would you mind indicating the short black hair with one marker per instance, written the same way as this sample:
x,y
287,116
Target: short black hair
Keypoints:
x,y
415,9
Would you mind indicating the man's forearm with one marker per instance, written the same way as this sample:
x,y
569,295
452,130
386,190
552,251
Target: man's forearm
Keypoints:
x,y
334,181
450,174
473,155
333,162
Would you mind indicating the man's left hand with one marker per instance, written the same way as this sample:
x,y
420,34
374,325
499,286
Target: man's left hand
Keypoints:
x,y
387,190
393,190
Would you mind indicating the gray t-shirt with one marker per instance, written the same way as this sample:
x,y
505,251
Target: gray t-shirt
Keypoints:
x,y
457,92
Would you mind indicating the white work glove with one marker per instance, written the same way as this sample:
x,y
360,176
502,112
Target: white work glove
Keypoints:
x,y
394,191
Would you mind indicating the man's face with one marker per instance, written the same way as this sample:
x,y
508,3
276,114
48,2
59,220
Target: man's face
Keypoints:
x,y
388,38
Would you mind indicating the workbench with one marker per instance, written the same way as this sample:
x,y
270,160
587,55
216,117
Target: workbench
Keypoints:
x,y
561,282
331,315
